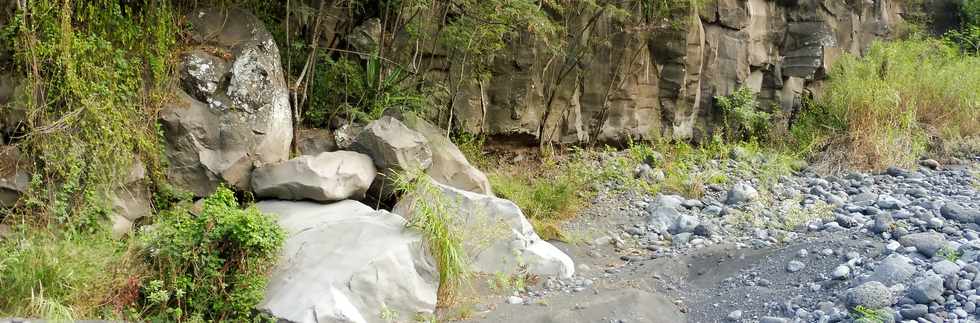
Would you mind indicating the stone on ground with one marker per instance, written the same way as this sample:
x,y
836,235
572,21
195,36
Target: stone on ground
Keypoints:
x,y
870,295
345,262
741,193
329,176
926,243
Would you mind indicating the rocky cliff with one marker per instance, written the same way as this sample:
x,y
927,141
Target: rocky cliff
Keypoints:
x,y
658,79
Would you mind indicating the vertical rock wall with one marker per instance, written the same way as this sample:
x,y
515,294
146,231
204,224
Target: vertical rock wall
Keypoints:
x,y
650,80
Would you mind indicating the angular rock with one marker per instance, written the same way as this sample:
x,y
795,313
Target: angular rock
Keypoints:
x,y
329,176
498,238
449,165
927,289
315,141
892,270
345,262
393,146
227,117
926,243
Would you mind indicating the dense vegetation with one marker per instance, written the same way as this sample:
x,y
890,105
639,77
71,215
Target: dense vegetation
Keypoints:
x,y
97,72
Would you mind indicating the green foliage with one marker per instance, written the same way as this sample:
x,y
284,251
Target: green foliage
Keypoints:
x,y
549,195
869,315
970,13
743,119
433,217
481,29
61,277
210,266
347,89
94,70
967,38
885,108
949,254
472,147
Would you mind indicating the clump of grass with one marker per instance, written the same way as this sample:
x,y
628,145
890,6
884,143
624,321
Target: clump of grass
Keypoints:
x,y
433,217
949,254
899,101
63,276
869,315
551,194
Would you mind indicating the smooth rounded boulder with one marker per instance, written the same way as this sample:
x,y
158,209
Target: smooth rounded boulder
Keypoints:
x,y
345,262
329,176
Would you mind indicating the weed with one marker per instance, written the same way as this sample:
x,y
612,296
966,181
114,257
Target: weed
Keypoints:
x,y
95,71
62,276
888,107
949,254
742,116
433,217
868,315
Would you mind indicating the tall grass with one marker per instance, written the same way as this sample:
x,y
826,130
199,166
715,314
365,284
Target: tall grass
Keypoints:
x,y
63,277
432,215
899,101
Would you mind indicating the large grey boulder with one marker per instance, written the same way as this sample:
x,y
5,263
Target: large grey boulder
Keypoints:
x,y
956,211
15,178
449,165
927,289
663,216
232,111
345,262
329,176
393,146
497,237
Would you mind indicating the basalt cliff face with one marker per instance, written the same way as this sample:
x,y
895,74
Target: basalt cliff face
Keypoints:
x,y
658,79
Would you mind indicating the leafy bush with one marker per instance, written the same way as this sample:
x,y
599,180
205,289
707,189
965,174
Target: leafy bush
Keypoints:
x,y
211,266
345,88
741,114
889,106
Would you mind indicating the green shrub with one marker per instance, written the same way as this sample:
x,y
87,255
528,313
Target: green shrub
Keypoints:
x,y
211,266
345,88
888,107
742,116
